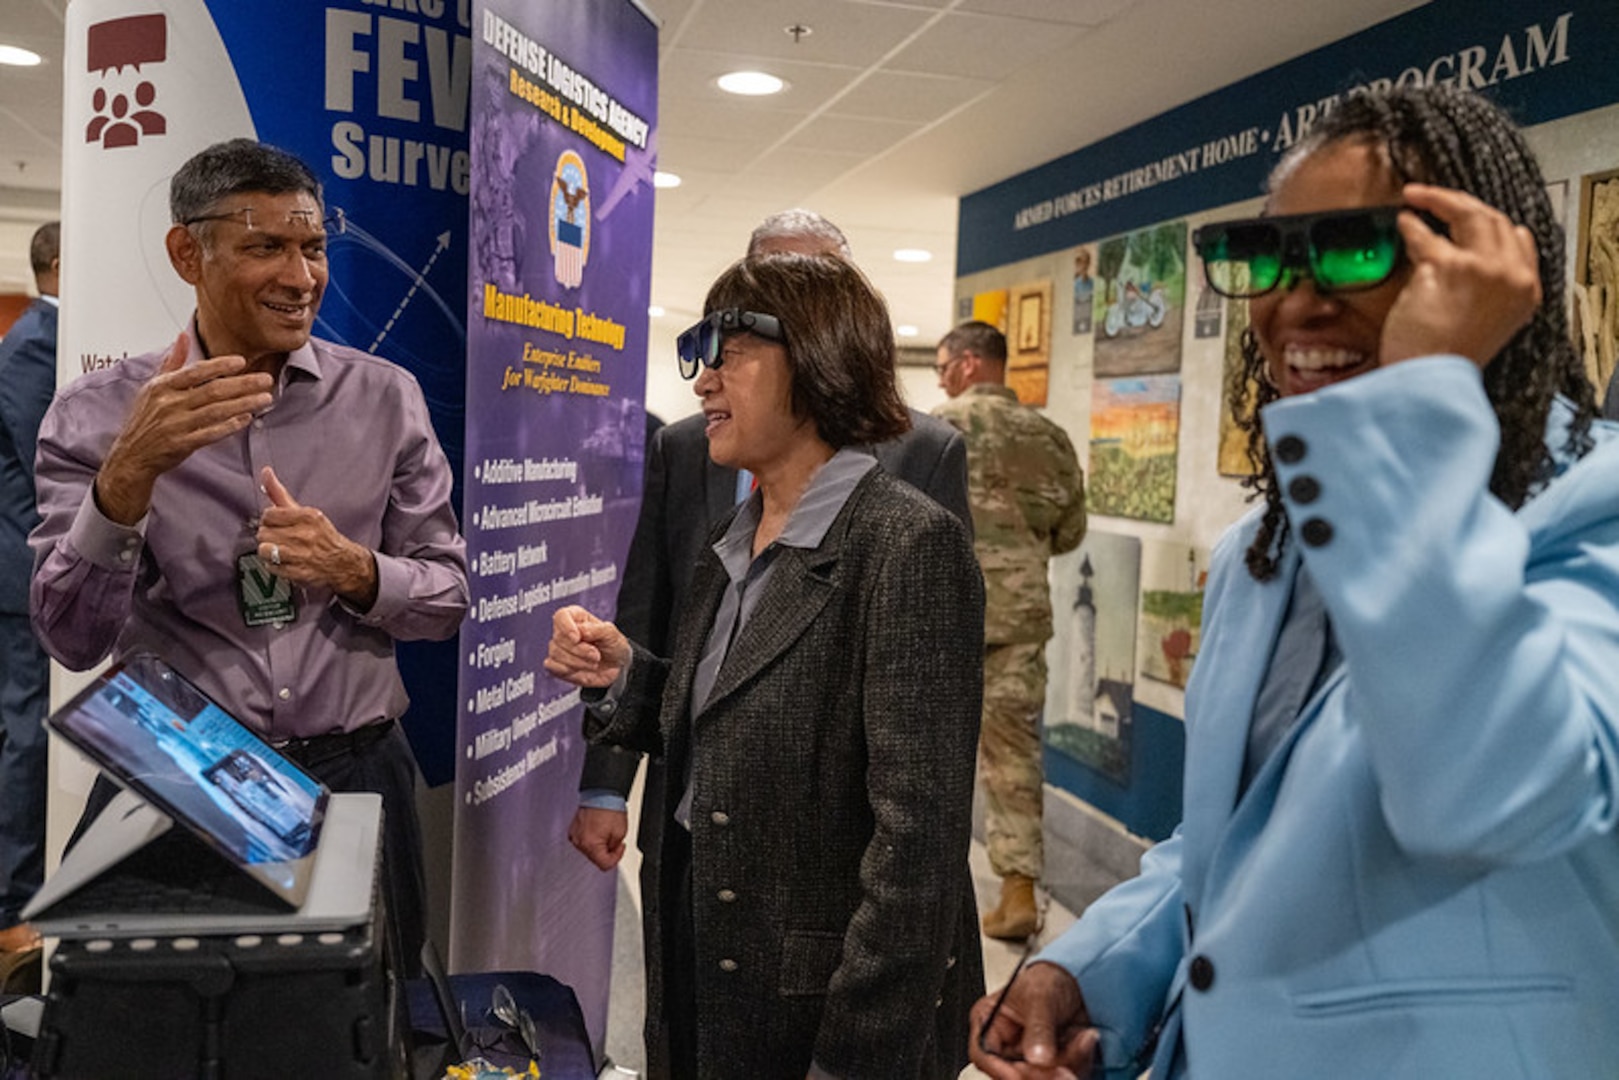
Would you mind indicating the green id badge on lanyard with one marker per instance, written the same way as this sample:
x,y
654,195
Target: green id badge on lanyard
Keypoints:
x,y
264,597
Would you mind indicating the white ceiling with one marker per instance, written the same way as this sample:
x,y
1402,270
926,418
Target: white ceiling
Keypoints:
x,y
894,109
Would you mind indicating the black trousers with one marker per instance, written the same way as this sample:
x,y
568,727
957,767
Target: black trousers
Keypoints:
x,y
679,954
384,766
24,696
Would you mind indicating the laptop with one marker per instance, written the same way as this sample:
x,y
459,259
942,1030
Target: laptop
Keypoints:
x,y
261,846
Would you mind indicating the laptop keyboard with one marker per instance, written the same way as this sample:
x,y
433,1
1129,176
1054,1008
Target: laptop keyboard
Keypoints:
x,y
173,874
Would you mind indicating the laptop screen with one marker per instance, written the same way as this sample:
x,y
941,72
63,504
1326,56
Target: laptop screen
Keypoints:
x,y
159,735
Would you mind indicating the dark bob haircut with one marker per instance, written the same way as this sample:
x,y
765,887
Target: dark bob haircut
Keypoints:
x,y
840,346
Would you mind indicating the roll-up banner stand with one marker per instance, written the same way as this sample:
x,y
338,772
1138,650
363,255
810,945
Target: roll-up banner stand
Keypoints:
x,y
564,111
378,99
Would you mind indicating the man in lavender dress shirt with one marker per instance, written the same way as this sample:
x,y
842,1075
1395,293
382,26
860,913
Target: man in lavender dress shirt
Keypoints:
x,y
267,511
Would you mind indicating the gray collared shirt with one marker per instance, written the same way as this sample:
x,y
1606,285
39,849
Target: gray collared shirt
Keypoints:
x,y
806,527
829,489
1306,653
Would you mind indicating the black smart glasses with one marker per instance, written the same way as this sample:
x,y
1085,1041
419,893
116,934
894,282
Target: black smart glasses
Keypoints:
x,y
1000,1000
1341,250
699,347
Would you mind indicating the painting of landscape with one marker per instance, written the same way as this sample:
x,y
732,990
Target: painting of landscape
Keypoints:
x,y
1135,430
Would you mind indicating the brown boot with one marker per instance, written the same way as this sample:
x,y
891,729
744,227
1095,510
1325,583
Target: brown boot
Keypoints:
x,y
1017,916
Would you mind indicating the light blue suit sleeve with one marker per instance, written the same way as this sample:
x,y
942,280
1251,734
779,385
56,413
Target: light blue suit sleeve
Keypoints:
x,y
1125,952
1128,950
1482,644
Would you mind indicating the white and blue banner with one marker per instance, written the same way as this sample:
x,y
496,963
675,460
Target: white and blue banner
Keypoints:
x,y
374,99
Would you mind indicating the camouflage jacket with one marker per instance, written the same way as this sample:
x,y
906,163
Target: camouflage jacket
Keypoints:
x,y
1028,503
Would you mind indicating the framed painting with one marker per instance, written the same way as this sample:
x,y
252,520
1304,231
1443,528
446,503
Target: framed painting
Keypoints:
x,y
1090,691
1135,432
1139,301
1028,341
1596,277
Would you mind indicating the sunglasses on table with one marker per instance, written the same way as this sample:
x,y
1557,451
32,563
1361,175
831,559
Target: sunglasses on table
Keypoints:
x,y
1340,250
699,346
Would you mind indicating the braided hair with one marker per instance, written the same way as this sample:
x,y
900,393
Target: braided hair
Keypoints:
x,y
1450,138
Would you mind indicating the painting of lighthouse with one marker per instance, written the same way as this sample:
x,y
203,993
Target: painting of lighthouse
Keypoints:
x,y
1091,655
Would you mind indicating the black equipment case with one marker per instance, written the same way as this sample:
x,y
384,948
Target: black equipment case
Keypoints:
x,y
222,1008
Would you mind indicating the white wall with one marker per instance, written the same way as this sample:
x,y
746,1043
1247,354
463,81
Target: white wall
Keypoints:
x,y
16,276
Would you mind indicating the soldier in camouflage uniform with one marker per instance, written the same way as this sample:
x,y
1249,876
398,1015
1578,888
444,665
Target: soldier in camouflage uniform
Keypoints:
x,y
1028,503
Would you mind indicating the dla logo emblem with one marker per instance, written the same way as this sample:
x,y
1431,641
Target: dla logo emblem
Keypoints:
x,y
570,220
124,103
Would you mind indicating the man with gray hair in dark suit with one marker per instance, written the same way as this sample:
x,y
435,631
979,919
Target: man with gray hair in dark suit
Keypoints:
x,y
685,496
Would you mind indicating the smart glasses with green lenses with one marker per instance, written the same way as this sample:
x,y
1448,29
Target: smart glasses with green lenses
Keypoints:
x,y
1341,251
699,347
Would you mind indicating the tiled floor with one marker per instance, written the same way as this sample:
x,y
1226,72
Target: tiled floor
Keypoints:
x,y
625,1008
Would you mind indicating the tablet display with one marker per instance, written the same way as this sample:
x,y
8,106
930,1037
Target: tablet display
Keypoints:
x,y
156,733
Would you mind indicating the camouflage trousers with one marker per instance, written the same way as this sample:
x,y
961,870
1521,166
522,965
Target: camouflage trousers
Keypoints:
x,y
1009,766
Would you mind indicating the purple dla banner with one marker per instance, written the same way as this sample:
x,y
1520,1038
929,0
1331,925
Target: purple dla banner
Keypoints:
x,y
564,100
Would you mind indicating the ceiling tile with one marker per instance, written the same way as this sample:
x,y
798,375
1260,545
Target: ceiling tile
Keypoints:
x,y
983,47
667,14
699,117
896,95
788,165
694,74
842,32
1075,12
690,156
849,135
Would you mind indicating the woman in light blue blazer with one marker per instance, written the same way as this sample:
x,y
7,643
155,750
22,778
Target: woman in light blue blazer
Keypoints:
x,y
1398,857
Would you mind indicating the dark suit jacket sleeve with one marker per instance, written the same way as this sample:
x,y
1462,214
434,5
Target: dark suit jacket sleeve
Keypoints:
x,y
922,683
932,458
948,484
632,720
28,383
644,597
645,594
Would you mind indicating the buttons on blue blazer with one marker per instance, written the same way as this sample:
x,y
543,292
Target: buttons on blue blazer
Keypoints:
x,y
1201,973
1316,532
1290,449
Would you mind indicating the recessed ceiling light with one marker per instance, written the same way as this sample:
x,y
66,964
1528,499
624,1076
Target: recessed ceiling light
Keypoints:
x,y
665,179
19,57
751,83
906,331
913,255
655,311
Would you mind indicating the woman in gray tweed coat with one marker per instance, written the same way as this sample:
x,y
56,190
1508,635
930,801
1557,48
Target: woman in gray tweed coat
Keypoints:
x,y
819,717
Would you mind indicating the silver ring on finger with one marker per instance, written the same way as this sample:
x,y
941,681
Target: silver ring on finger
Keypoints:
x,y
275,554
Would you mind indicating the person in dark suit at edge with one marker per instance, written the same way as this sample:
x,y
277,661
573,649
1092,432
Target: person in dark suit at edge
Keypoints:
x,y
685,495
27,381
